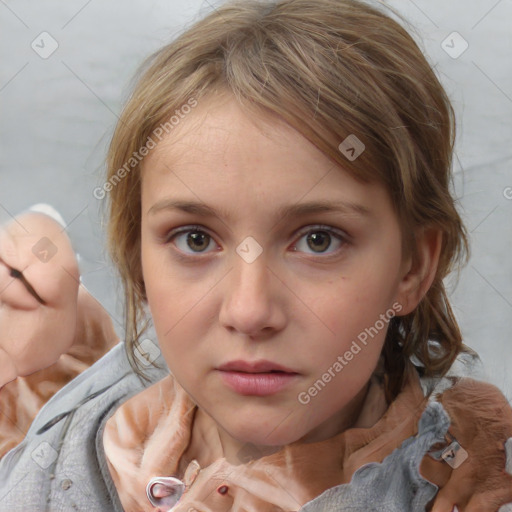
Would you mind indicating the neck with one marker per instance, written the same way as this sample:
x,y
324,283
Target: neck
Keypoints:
x,y
205,445
342,420
210,441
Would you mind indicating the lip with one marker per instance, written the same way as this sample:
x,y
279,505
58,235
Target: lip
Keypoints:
x,y
260,366
258,378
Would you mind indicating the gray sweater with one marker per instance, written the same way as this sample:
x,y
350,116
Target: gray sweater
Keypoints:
x,y
61,465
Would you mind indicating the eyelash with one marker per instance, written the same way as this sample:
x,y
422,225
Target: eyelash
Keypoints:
x,y
342,237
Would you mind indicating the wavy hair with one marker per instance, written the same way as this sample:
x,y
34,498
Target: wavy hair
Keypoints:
x,y
329,68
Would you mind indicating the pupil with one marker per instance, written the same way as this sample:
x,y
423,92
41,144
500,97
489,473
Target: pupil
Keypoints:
x,y
196,238
320,240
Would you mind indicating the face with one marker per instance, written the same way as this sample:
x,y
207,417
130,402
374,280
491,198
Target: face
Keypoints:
x,y
230,276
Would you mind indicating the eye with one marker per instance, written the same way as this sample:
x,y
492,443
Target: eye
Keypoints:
x,y
319,239
193,239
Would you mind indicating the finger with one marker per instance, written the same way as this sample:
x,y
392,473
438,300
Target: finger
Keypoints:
x,y
456,493
162,491
437,472
38,266
38,253
13,292
489,501
51,266
17,274
445,504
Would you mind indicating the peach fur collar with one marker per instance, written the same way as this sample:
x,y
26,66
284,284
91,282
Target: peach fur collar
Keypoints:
x,y
150,435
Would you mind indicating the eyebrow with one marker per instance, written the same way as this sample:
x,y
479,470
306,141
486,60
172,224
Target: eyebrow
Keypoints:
x,y
285,212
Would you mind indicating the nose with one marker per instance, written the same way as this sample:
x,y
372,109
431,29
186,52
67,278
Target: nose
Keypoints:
x,y
254,298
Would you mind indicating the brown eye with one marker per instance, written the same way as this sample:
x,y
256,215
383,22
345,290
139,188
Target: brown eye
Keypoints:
x,y
197,240
319,240
191,240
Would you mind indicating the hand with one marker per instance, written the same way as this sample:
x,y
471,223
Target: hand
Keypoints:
x,y
225,487
481,423
39,282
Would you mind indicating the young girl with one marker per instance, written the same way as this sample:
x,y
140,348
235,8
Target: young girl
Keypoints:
x,y
279,201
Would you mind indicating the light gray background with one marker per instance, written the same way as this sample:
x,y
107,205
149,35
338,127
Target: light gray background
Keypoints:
x,y
57,114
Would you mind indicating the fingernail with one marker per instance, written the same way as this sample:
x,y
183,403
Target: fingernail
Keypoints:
x,y
50,211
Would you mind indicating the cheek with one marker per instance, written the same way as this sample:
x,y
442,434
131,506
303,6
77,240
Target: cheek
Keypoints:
x,y
179,296
355,312
163,288
351,305
177,307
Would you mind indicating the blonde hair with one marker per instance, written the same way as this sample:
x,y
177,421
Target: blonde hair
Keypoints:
x,y
329,68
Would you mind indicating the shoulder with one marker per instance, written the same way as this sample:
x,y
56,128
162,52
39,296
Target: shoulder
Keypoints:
x,y
59,453
111,378
150,410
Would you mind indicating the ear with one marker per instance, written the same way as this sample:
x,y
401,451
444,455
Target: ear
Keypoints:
x,y
419,270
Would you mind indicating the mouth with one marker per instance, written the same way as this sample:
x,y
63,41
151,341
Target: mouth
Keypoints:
x,y
258,378
260,366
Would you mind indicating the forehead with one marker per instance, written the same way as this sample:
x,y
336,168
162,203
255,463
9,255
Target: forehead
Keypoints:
x,y
220,130
221,154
